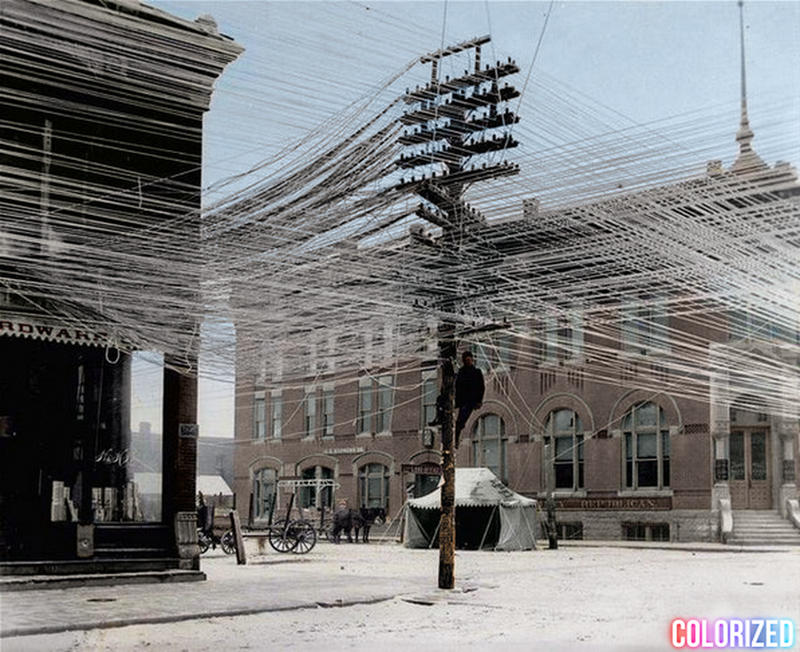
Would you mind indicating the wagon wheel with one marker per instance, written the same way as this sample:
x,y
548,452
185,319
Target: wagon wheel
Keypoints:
x,y
305,536
227,542
203,542
281,538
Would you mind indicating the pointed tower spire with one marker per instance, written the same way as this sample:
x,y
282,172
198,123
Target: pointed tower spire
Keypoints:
x,y
748,160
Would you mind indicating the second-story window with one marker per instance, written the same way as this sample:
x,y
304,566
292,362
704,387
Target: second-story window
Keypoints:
x,y
645,326
327,411
276,403
385,390
365,404
260,417
310,411
430,391
562,337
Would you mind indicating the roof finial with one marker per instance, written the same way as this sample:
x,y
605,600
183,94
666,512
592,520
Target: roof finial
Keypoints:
x,y
747,159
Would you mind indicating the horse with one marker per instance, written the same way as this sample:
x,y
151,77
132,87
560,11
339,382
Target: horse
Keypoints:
x,y
343,522
360,520
366,518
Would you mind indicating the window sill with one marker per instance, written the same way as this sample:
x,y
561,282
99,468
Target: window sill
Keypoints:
x,y
564,493
644,492
383,434
327,438
363,435
643,354
560,364
308,438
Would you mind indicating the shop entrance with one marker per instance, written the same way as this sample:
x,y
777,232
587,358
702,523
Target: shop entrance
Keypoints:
x,y
750,482
63,435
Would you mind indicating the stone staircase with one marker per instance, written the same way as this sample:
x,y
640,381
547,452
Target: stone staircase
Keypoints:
x,y
762,528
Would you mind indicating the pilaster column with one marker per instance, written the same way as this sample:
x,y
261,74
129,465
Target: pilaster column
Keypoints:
x,y
180,456
721,437
787,436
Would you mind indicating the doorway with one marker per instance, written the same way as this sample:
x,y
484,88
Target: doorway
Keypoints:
x,y
750,481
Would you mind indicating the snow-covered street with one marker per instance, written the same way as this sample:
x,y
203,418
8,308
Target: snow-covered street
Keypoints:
x,y
578,597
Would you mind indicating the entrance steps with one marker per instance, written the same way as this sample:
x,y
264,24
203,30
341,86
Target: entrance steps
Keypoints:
x,y
762,528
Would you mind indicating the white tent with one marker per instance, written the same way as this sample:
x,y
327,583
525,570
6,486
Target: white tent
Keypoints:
x,y
488,514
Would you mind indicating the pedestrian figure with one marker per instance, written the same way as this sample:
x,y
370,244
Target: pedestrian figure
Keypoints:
x,y
552,525
202,512
469,391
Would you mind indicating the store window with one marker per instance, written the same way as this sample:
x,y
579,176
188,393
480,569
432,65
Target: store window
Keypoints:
x,y
565,436
647,447
569,530
489,445
265,486
373,486
316,496
645,531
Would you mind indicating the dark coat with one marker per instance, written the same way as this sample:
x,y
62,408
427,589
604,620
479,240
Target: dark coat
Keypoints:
x,y
469,386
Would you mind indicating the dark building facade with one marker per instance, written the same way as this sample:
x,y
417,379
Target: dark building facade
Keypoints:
x,y
101,114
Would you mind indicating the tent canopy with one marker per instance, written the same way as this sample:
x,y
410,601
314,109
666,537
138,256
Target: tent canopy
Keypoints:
x,y
475,487
488,514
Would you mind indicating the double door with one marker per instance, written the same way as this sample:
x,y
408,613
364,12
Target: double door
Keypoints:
x,y
750,481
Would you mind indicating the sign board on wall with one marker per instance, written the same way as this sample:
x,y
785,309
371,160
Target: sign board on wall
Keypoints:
x,y
625,504
41,330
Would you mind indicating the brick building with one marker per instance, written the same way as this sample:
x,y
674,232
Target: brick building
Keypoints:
x,y
588,404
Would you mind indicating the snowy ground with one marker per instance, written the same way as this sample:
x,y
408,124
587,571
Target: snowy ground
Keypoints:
x,y
574,598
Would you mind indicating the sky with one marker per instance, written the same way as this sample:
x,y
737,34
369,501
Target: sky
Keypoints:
x,y
598,66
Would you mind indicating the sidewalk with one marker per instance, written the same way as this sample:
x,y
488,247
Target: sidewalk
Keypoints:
x,y
272,582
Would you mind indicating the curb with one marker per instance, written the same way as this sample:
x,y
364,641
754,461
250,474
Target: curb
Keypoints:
x,y
12,584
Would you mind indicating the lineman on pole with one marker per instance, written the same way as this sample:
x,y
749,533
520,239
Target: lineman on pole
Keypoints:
x,y
469,391
469,394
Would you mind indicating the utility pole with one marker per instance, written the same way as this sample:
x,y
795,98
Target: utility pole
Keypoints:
x,y
448,121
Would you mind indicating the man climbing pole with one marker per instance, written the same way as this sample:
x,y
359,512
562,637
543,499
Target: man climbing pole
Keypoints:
x,y
469,391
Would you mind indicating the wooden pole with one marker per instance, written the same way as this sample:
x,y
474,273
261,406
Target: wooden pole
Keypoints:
x,y
447,525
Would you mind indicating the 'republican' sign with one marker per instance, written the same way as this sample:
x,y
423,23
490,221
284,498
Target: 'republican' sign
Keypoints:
x,y
52,332
626,503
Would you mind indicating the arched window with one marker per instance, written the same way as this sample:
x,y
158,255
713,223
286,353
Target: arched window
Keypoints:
x,y
264,493
489,445
646,447
565,438
373,486
312,496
